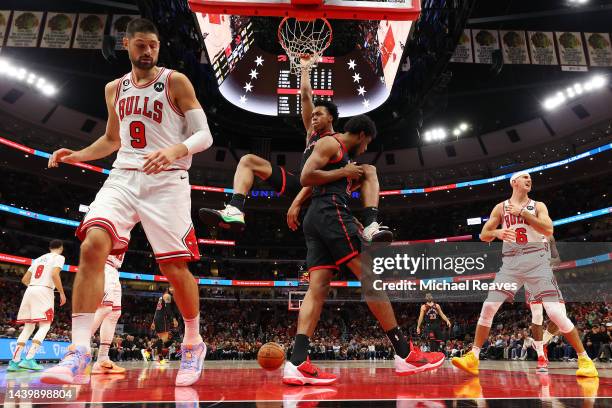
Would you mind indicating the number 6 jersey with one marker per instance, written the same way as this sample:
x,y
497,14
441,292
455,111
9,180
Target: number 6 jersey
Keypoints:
x,y
525,233
148,120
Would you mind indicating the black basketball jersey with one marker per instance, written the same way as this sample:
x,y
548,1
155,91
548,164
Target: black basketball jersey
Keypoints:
x,y
166,311
431,314
312,140
340,187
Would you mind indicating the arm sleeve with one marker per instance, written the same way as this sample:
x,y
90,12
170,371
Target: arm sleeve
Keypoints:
x,y
197,126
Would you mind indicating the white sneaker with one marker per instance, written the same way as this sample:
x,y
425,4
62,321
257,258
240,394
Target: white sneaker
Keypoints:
x,y
228,218
192,362
377,233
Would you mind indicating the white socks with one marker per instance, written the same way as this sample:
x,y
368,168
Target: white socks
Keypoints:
x,y
81,329
476,351
547,337
192,331
33,349
539,346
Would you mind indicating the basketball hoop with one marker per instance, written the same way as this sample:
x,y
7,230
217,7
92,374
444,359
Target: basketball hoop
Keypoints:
x,y
300,38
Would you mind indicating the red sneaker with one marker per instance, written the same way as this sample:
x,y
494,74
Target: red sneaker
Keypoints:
x,y
542,365
306,373
418,361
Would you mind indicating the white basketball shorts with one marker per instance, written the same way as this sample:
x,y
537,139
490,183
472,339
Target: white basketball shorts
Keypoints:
x,y
36,305
161,202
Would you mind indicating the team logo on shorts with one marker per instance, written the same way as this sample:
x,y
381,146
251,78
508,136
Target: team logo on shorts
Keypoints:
x,y
159,86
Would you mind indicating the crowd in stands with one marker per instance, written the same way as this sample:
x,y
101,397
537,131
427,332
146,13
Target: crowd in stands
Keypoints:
x,y
268,249
235,329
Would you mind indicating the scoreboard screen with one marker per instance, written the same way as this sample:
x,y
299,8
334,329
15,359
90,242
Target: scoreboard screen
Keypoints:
x,y
288,89
259,82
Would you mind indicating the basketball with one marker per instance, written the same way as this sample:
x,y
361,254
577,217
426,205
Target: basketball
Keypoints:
x,y
270,356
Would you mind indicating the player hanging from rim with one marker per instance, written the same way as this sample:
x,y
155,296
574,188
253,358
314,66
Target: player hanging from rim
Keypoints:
x,y
432,313
107,315
318,119
332,240
157,124
542,338
165,320
526,262
42,277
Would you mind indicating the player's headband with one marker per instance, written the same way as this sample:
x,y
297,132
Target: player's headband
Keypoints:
x,y
517,175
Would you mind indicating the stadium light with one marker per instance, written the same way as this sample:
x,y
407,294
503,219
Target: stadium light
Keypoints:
x,y
8,68
574,91
438,134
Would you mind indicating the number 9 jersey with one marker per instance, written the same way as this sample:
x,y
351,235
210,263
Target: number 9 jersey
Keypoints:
x,y
148,121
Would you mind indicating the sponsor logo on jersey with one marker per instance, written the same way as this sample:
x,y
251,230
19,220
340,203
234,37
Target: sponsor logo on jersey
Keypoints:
x,y
159,86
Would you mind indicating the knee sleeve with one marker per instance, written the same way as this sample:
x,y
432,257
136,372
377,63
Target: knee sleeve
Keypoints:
x,y
537,313
107,330
99,317
557,314
27,331
488,313
41,333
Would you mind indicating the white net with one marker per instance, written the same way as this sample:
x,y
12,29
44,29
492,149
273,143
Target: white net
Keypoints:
x,y
301,38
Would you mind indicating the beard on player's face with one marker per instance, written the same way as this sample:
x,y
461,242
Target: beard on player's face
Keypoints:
x,y
144,62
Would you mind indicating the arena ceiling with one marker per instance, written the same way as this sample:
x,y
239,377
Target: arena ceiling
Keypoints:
x,y
473,93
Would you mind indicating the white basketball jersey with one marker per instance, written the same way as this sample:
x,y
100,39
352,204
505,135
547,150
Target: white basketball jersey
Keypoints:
x,y
148,121
42,269
115,261
525,233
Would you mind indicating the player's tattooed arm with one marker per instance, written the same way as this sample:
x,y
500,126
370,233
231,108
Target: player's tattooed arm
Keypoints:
x,y
555,258
326,149
489,230
540,222
104,146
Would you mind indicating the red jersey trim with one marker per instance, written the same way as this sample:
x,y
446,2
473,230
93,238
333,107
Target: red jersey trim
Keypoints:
x,y
282,191
161,71
319,267
170,102
342,150
117,91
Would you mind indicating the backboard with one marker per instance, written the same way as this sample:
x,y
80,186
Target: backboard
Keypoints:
x,y
295,300
395,10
